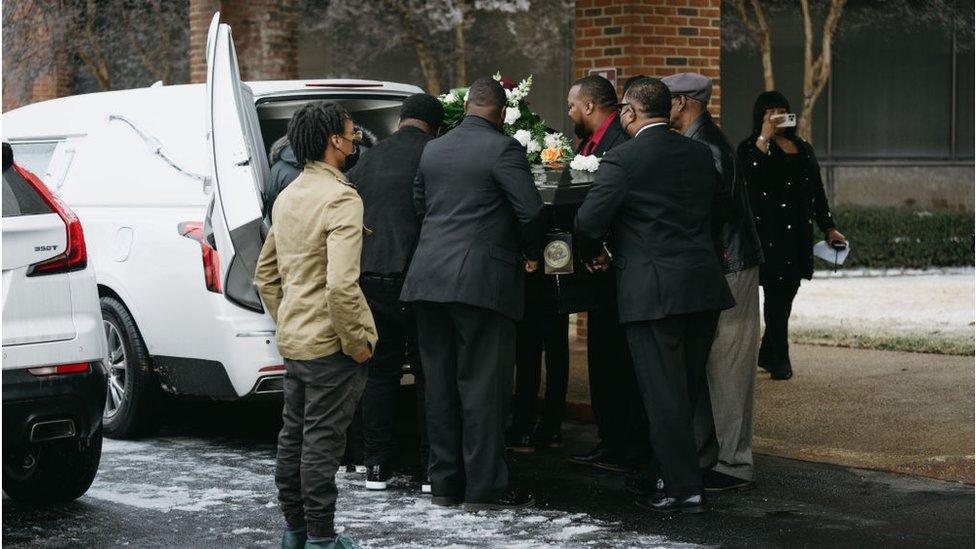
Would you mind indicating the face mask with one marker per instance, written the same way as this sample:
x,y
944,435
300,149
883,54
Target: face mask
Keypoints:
x,y
627,125
349,159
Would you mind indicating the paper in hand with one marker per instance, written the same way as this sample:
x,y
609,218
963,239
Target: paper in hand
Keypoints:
x,y
834,257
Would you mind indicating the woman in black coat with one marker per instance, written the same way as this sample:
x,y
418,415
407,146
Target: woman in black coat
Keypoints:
x,y
787,198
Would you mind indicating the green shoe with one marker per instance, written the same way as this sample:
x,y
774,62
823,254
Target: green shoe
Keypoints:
x,y
293,538
339,542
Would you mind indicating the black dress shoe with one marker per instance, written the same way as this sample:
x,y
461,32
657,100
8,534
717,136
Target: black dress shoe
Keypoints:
x,y
510,500
781,373
446,501
588,458
612,462
521,443
641,483
663,503
376,477
720,482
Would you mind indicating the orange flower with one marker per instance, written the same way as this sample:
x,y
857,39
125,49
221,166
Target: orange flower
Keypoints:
x,y
552,154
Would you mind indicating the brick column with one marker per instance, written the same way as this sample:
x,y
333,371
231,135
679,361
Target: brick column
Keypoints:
x,y
265,35
38,77
650,37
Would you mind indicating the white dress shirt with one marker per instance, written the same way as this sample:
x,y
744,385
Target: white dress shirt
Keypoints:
x,y
649,126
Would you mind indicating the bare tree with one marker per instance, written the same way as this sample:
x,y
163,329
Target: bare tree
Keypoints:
x,y
407,11
759,33
751,27
103,44
436,31
816,69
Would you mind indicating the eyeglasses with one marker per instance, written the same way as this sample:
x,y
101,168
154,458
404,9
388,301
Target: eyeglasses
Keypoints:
x,y
357,136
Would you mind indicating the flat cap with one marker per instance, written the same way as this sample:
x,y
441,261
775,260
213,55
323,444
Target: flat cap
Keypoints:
x,y
691,84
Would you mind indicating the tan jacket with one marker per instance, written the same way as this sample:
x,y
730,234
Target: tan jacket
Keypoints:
x,y
308,272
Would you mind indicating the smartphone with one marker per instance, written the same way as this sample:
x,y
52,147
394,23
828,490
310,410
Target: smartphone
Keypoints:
x,y
787,120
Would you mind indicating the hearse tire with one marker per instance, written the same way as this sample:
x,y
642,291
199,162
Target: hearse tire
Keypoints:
x,y
139,412
56,472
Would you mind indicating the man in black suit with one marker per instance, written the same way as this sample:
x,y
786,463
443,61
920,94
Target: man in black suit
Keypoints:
x,y
656,192
620,419
481,224
384,179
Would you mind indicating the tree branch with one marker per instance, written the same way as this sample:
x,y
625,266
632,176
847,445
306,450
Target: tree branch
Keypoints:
x,y
427,65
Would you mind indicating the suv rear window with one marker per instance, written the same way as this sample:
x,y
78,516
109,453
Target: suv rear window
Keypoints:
x,y
19,196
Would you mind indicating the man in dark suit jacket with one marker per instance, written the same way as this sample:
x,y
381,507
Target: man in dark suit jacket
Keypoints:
x,y
621,422
592,109
656,192
384,179
481,223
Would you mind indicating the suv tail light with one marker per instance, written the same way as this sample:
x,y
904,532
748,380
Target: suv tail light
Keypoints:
x,y
79,368
75,256
211,260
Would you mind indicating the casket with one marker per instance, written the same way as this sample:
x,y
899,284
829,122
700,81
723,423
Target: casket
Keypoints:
x,y
562,284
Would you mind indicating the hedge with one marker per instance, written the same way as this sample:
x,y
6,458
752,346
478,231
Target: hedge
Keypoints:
x,y
885,237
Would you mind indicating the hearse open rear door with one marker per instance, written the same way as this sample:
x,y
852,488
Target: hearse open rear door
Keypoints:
x,y
239,168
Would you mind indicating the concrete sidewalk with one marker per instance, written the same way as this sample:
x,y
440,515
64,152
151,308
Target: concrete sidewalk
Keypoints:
x,y
891,411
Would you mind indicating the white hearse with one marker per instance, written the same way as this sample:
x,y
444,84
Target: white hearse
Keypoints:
x,y
167,181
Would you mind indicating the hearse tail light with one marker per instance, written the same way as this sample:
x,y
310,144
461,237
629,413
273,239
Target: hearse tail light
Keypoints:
x,y
75,256
79,368
211,259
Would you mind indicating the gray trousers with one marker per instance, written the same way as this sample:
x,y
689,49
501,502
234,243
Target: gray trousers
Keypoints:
x,y
320,398
723,418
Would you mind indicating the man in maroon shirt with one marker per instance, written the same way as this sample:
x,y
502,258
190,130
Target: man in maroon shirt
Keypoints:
x,y
620,417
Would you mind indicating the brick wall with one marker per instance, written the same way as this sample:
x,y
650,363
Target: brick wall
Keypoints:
x,y
650,37
44,75
265,35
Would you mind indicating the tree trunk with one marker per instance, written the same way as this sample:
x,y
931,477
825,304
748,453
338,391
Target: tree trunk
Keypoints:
x,y
460,51
816,70
761,35
94,57
427,65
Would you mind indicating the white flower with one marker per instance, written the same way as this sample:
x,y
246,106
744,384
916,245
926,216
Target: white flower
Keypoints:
x,y
533,147
554,140
512,114
449,98
585,163
466,93
523,137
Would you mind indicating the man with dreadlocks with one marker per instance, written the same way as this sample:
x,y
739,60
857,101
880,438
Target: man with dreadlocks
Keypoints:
x,y
308,276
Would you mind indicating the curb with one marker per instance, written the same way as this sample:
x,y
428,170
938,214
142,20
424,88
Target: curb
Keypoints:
x,y
875,273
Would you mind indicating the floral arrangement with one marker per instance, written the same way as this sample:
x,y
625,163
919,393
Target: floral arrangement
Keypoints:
x,y
588,163
525,126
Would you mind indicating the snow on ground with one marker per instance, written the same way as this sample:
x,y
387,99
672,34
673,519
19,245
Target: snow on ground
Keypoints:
x,y
939,305
230,482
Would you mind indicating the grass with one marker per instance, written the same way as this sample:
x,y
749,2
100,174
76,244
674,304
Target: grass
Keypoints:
x,y
883,342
